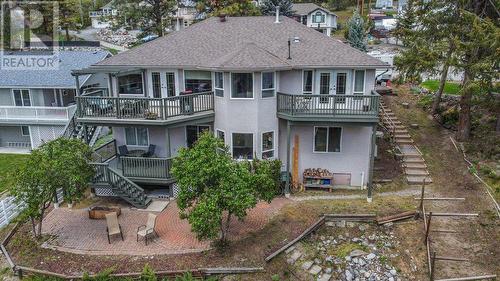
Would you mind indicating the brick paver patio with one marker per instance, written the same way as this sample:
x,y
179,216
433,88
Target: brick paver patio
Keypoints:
x,y
73,231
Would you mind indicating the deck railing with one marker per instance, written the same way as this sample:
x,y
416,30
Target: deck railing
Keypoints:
x,y
142,167
36,112
105,152
328,105
144,108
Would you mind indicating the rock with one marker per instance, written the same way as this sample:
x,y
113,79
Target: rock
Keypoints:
x,y
340,223
391,278
295,256
289,250
393,272
348,275
306,265
405,105
329,259
325,277
328,270
348,258
414,126
389,224
361,262
317,261
363,227
315,270
330,223
350,224
357,253
371,256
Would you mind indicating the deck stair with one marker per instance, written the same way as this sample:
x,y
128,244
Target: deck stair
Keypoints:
x,y
119,186
413,162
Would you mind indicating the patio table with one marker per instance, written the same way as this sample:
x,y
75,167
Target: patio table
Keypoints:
x,y
136,153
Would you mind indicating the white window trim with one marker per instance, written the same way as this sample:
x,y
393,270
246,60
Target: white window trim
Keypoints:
x,y
262,145
314,17
327,132
215,87
136,139
184,78
131,95
303,81
262,86
354,81
22,133
231,87
253,145
21,89
217,134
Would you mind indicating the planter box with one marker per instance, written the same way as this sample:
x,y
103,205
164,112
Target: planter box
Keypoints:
x,y
99,213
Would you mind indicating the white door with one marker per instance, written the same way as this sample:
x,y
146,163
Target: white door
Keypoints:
x,y
163,84
326,84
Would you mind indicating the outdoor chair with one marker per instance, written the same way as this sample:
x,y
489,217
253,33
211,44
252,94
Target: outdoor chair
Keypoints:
x,y
150,152
147,231
123,150
113,227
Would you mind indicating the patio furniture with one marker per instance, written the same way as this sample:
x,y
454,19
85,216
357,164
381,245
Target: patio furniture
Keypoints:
x,y
123,150
150,152
100,212
136,153
147,231
113,227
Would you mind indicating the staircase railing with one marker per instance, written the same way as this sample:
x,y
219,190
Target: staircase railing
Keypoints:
x,y
71,126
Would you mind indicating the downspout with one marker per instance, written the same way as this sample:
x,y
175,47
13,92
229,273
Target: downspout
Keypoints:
x,y
369,198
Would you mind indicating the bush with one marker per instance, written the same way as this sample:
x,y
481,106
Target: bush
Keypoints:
x,y
425,101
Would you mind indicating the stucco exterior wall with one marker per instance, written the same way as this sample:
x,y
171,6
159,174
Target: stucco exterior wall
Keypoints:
x,y
6,97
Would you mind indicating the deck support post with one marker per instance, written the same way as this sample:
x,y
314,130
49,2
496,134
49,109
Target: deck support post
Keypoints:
x,y
372,161
77,86
288,144
167,136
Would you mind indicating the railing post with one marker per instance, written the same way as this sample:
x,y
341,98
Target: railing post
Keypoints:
x,y
293,104
163,109
117,107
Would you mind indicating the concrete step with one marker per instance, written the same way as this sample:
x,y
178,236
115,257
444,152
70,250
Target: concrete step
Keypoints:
x,y
416,172
402,136
418,179
411,155
416,164
404,141
401,131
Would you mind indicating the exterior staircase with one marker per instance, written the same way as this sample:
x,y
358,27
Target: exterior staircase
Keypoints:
x,y
413,162
119,186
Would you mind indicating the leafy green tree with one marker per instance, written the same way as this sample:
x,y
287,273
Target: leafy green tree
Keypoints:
x,y
61,163
150,16
268,7
339,5
235,8
356,31
213,188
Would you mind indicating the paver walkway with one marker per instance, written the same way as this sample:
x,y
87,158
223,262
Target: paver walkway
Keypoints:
x,y
74,232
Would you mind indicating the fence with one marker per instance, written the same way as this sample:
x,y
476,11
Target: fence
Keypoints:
x,y
9,209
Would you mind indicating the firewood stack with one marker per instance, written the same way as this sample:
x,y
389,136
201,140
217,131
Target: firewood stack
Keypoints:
x,y
317,173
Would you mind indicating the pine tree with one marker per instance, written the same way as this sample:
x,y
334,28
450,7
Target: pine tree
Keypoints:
x,y
269,7
356,32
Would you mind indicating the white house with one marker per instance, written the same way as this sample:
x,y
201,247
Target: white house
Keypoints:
x,y
315,17
100,19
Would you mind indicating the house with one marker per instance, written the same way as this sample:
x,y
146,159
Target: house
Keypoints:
x,y
264,86
37,105
101,18
315,16
384,4
185,14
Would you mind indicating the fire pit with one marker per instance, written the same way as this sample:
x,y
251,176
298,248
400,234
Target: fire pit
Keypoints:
x,y
99,212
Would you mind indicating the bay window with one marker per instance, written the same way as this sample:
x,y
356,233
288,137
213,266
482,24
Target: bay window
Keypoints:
x,y
219,84
268,84
359,82
267,145
242,85
318,17
327,139
137,136
197,81
130,84
242,145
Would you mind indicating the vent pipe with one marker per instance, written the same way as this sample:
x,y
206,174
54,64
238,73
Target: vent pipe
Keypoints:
x,y
289,51
277,15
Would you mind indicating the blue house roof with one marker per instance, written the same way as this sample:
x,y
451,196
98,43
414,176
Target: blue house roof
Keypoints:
x,y
52,78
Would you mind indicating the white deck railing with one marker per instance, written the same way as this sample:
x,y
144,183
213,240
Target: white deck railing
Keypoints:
x,y
36,112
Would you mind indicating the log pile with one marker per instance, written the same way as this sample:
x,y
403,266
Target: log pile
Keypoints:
x,y
317,173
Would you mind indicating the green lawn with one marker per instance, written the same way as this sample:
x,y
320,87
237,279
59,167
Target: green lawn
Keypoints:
x,y
8,164
450,88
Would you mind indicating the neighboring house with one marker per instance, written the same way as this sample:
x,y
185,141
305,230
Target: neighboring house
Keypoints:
x,y
384,4
37,105
249,86
185,14
315,16
101,18
384,73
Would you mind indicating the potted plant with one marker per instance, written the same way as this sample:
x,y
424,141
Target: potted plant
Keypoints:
x,y
150,115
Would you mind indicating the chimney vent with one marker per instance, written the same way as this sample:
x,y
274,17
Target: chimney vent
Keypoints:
x,y
277,15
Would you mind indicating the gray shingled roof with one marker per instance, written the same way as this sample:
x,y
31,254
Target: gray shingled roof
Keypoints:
x,y
246,43
57,78
304,9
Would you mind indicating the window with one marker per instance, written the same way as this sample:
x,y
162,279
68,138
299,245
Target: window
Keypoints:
x,y
327,139
221,135
242,85
22,98
359,81
25,131
307,82
137,136
219,84
130,84
267,145
155,77
242,146
268,86
170,77
198,81
193,133
318,17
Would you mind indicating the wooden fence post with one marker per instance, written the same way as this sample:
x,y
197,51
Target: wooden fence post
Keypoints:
x,y
422,198
433,261
428,227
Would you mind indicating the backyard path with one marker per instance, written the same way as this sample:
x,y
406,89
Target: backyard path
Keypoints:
x,y
72,231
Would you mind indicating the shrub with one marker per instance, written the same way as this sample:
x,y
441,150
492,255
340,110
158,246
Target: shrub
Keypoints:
x,y
425,101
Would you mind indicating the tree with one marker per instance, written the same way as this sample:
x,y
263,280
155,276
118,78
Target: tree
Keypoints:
x,y
235,8
213,188
151,16
61,163
268,7
356,31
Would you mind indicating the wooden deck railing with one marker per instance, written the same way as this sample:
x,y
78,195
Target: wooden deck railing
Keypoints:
x,y
142,167
144,108
36,112
328,105
105,152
